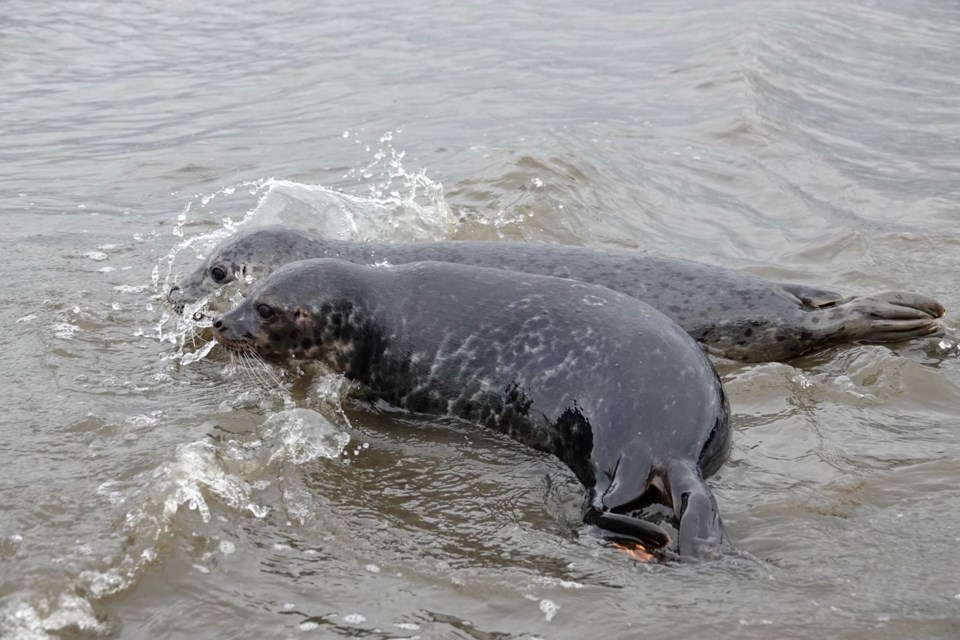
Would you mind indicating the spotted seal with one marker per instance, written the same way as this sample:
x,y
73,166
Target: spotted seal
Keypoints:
x,y
732,314
613,388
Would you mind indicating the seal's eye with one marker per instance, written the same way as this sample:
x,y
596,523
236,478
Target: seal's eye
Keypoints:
x,y
265,311
218,274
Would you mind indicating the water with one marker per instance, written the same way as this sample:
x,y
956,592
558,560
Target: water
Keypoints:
x,y
144,495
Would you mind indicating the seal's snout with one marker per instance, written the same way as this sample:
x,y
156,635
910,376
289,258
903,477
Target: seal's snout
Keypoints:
x,y
231,334
221,332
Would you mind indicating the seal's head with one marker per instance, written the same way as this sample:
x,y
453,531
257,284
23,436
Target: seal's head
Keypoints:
x,y
240,259
306,310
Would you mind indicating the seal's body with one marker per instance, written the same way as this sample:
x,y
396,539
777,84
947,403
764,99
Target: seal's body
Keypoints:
x,y
610,386
732,314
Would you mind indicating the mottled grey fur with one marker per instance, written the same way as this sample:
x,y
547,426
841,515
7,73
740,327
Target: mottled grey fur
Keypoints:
x,y
609,385
732,314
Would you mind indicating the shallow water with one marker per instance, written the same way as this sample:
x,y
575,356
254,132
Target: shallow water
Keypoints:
x,y
145,495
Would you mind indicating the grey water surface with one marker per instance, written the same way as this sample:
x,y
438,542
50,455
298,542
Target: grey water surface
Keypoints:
x,y
152,489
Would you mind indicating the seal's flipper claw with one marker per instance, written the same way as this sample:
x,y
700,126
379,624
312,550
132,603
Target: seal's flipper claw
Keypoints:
x,y
646,533
701,533
894,331
813,298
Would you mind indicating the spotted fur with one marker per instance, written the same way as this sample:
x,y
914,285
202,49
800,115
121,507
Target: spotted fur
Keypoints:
x,y
732,314
613,388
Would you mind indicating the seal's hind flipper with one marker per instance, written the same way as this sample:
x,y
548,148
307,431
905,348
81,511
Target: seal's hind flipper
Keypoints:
x,y
909,304
889,317
701,533
813,298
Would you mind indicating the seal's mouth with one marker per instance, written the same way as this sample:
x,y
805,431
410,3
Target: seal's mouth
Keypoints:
x,y
179,307
176,301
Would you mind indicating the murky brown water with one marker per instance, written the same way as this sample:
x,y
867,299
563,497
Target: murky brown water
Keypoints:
x,y
144,496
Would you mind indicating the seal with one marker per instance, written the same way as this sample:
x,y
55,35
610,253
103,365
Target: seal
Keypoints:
x,y
735,315
610,386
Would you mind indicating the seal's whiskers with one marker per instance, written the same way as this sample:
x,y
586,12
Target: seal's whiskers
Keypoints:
x,y
251,363
257,359
251,371
236,357
196,336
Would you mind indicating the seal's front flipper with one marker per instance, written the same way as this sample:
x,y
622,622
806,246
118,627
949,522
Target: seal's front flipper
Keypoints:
x,y
646,533
701,530
628,486
888,317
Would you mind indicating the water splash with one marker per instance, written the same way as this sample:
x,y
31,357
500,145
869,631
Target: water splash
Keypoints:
x,y
398,205
192,356
196,474
302,435
235,475
948,347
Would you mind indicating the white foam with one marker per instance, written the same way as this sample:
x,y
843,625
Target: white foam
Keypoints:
x,y
44,616
125,288
549,609
64,330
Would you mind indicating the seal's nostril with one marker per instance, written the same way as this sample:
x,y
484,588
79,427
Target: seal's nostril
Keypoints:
x,y
218,324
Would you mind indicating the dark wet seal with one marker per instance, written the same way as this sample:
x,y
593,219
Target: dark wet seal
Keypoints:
x,y
607,384
713,304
